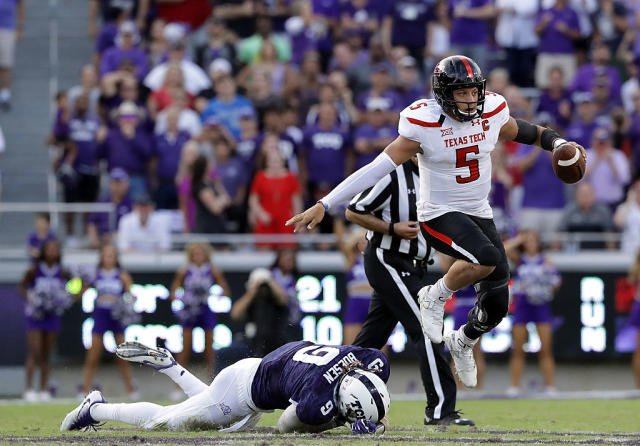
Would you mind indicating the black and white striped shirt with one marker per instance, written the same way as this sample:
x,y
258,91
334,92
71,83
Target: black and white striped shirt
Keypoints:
x,y
393,199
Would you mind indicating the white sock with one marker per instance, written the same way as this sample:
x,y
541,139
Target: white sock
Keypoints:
x,y
137,414
185,380
466,339
442,287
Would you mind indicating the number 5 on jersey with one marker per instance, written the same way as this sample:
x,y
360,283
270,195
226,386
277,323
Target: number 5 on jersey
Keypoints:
x,y
472,164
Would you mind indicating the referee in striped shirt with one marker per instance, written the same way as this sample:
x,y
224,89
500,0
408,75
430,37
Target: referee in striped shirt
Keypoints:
x,y
395,263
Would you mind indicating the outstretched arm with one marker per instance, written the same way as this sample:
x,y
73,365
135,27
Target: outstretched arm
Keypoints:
x,y
289,422
396,153
524,132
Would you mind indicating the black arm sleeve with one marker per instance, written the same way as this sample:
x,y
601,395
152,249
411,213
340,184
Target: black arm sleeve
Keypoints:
x,y
547,138
527,132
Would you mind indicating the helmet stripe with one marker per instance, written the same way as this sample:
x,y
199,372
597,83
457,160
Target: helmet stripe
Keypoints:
x,y
371,387
467,65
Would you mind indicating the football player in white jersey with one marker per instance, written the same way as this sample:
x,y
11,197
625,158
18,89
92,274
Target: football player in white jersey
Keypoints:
x,y
453,136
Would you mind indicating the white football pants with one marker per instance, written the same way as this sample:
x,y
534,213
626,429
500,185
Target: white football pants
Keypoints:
x,y
226,403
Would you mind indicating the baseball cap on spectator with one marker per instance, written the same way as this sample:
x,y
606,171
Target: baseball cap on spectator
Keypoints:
x,y
375,104
381,68
294,25
118,174
601,134
212,121
247,113
544,118
407,62
130,28
220,65
173,32
582,97
128,110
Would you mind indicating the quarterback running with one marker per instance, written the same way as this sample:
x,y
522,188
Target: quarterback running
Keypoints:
x,y
453,136
318,386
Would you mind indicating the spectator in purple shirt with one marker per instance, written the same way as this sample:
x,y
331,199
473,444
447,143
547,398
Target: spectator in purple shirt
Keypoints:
x,y
409,86
247,145
634,135
99,227
470,29
235,178
80,166
381,82
361,17
405,25
125,51
584,123
40,235
607,169
326,14
128,146
557,27
544,196
325,147
167,154
371,138
556,99
600,67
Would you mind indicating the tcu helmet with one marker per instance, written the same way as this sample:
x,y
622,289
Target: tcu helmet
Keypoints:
x,y
453,73
363,394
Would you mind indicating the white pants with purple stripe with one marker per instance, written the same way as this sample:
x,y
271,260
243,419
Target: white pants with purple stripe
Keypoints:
x,y
225,404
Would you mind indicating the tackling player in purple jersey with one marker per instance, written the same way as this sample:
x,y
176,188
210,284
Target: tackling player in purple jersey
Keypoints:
x,y
318,386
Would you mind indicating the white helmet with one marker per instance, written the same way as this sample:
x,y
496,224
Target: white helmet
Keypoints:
x,y
363,394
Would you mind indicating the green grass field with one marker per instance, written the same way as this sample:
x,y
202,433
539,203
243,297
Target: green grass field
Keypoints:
x,y
499,421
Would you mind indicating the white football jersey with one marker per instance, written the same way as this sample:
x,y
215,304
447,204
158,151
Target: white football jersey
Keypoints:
x,y
455,166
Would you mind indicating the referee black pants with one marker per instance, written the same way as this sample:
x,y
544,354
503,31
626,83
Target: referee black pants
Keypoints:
x,y
396,282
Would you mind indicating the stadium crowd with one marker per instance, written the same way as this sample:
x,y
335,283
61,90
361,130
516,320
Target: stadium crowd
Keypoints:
x,y
230,116
238,113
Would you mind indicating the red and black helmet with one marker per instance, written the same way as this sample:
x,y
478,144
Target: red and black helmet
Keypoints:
x,y
453,73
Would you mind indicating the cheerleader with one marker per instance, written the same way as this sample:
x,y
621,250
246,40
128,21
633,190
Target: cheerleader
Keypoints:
x,y
43,287
634,316
196,280
358,289
112,311
535,282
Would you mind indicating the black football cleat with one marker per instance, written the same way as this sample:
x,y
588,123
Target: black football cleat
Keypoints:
x,y
453,419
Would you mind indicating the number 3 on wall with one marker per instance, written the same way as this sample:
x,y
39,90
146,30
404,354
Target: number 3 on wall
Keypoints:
x,y
472,164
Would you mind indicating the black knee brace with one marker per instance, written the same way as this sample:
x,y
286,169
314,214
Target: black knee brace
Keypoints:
x,y
489,255
492,306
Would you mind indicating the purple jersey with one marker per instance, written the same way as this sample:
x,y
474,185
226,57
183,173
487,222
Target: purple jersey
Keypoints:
x,y
114,57
357,281
535,279
131,154
82,132
552,40
542,188
468,31
109,288
197,282
247,150
368,132
409,22
47,294
581,132
101,219
8,14
307,375
233,173
325,151
36,242
168,151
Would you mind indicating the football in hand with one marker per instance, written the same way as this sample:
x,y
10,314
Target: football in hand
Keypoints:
x,y
568,163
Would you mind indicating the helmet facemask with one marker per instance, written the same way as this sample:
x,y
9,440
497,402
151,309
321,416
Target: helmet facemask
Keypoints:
x,y
450,105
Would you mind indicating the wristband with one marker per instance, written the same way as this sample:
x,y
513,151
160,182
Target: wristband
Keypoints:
x,y
558,142
324,205
391,229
